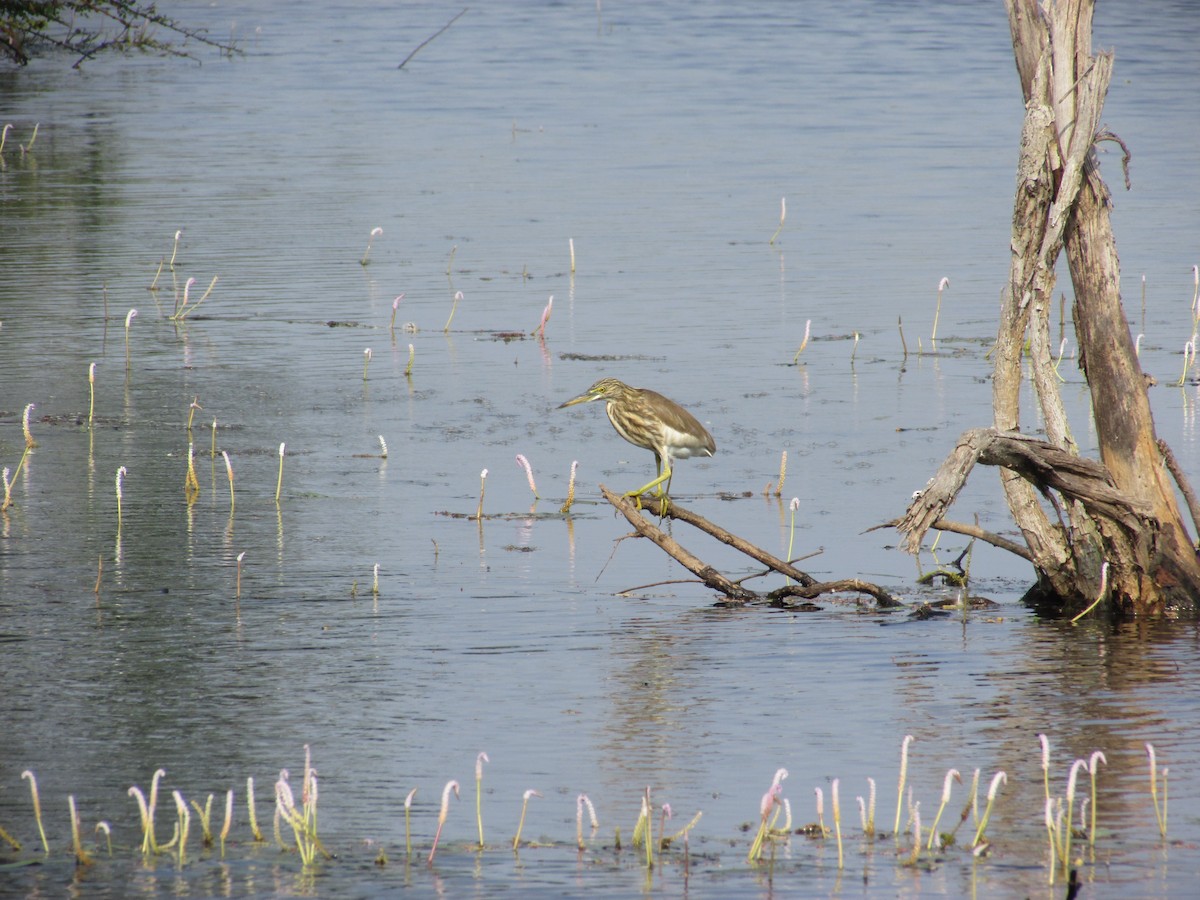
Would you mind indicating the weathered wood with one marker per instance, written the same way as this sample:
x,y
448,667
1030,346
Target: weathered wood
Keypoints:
x,y
808,587
692,563
1074,514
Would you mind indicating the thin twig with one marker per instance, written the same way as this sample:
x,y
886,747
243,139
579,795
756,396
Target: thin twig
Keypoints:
x,y
421,45
1181,479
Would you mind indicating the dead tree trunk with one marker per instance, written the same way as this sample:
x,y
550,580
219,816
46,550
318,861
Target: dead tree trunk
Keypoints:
x,y
1061,201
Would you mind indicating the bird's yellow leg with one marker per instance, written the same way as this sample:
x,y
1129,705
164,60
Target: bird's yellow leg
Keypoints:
x,y
665,475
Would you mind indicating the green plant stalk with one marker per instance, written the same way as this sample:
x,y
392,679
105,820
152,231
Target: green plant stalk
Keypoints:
x,y
81,855
228,820
1093,765
37,807
252,812
997,779
952,775
175,249
186,310
229,472
479,761
409,367
205,815
103,826
9,839
837,821
647,829
908,739
279,480
458,295
153,805
521,821
782,219
185,819
408,824
8,484
91,393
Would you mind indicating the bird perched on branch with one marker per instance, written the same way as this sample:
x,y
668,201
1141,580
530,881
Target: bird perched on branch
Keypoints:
x,y
647,419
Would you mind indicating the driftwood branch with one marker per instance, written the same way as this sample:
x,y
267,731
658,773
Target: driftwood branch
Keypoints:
x,y
974,531
807,587
1041,464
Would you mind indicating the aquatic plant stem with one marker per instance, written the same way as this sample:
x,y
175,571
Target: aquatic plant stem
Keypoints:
x,y
129,317
175,249
793,507
908,739
121,473
951,776
837,820
445,811
782,219
81,856
252,811
185,819
408,823
37,807
1093,766
566,507
571,247
521,822
458,295
770,800
229,473
366,362
375,232
942,285
782,474
395,309
540,331
1160,812
580,802
998,779
205,814
228,820
1101,593
279,480
91,393
479,761
482,485
1070,809
803,343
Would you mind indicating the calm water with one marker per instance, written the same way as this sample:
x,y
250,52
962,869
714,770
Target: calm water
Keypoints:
x,y
660,139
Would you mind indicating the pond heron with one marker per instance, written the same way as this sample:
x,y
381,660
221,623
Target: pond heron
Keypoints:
x,y
647,419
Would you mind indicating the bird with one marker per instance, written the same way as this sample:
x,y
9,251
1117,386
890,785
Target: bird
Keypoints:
x,y
647,419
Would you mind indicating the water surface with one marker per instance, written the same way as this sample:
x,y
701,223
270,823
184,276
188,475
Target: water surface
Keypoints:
x,y
660,140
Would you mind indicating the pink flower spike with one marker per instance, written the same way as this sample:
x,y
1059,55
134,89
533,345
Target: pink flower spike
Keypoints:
x,y
545,317
524,464
450,786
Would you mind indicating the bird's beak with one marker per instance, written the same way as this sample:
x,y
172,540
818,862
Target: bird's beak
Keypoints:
x,y
582,398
